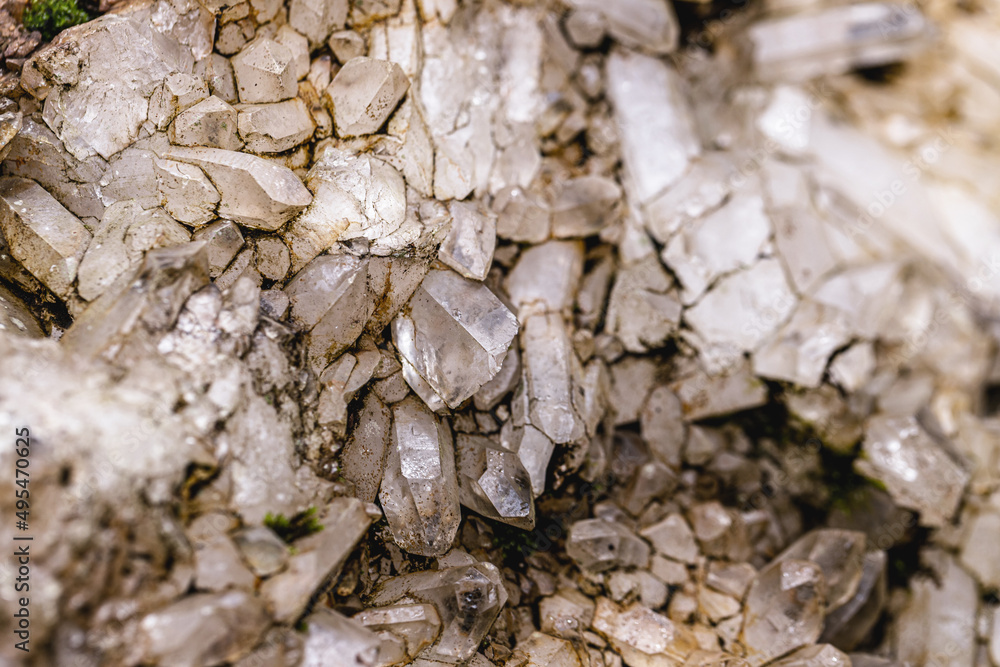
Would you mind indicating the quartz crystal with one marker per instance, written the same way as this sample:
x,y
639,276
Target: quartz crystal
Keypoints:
x,y
820,655
534,450
799,351
417,625
255,193
420,493
467,598
549,364
90,111
584,206
334,640
917,472
545,277
328,298
541,650
275,128
208,628
468,248
210,123
364,93
46,238
464,315
598,545
492,481
566,614
317,557
223,240
853,36
783,609
646,24
316,19
672,537
642,637
354,196
265,72
186,192
658,139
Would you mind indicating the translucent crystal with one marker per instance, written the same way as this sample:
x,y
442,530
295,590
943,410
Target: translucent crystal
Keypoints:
x,y
820,655
701,190
546,277
44,237
658,139
355,196
849,624
534,450
16,317
126,233
643,310
492,481
851,36
703,395
418,625
186,193
254,192
840,554
265,72
329,298
642,637
102,116
468,598
542,650
333,640
721,242
468,248
149,300
207,628
177,92
316,19
263,550
364,93
317,557
799,351
565,614
224,240
583,206
916,471
275,128
598,545
419,491
783,609
363,458
646,24
672,537
455,334
937,620
549,363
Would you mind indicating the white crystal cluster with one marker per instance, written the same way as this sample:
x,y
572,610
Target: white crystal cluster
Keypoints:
x,y
383,332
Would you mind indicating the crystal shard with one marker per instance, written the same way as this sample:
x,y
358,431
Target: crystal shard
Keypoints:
x,y
418,625
492,481
265,72
645,24
316,19
468,248
598,545
642,637
333,640
364,93
254,192
204,629
549,360
276,127
48,240
917,472
210,123
317,557
658,137
329,298
419,492
467,598
185,192
541,650
454,333
783,609
840,554
842,38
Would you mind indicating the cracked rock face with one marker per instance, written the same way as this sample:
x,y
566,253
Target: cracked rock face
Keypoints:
x,y
504,334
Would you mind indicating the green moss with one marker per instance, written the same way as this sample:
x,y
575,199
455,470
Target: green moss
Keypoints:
x,y
50,17
300,525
